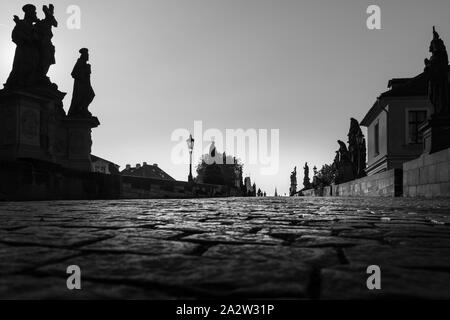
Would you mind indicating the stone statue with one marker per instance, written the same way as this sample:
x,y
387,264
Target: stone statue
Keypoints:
x,y
306,180
436,69
83,94
293,188
357,149
343,164
46,47
35,52
26,58
259,193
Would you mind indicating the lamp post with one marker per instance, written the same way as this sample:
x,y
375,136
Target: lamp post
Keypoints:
x,y
190,143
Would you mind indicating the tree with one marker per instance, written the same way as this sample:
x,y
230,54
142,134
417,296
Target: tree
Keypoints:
x,y
306,181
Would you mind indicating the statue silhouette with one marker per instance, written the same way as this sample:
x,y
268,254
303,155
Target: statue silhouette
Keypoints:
x,y
83,94
26,57
436,70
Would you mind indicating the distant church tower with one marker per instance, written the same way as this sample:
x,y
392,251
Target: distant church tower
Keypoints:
x,y
276,194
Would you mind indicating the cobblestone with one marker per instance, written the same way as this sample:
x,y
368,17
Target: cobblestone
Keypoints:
x,y
296,248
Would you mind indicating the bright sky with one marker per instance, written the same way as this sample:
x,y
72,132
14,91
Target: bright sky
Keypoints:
x,y
303,67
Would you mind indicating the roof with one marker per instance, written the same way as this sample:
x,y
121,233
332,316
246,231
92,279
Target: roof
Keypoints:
x,y
397,81
417,86
95,158
399,87
147,171
375,110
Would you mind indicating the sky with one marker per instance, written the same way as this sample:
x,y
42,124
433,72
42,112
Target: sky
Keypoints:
x,y
302,67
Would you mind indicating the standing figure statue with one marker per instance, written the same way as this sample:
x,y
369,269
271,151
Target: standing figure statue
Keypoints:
x,y
83,94
46,47
26,58
436,69
357,148
343,164
293,188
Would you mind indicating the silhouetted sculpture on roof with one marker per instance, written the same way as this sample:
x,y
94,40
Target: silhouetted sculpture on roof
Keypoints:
x,y
436,69
83,94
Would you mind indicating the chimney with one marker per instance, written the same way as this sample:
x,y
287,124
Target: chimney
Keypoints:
x,y
144,164
128,167
155,165
138,165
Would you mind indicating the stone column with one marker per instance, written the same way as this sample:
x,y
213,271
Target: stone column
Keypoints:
x,y
79,142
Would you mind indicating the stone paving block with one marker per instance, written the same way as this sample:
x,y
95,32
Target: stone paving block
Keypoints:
x,y
54,236
200,277
297,232
141,245
311,256
432,242
32,288
376,234
147,233
232,237
16,259
349,282
318,241
407,257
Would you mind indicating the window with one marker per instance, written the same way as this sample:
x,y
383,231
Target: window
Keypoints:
x,y
415,119
377,139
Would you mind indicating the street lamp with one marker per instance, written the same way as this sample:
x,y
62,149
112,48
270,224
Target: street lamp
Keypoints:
x,y
190,143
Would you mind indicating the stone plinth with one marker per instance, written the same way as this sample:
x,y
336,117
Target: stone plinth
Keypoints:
x,y
79,142
29,124
436,134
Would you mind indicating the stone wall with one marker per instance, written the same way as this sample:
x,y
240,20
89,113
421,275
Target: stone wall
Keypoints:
x,y
427,176
320,192
145,188
36,180
386,184
29,180
310,193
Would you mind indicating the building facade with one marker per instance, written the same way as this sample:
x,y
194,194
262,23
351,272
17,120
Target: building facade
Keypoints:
x,y
103,166
393,135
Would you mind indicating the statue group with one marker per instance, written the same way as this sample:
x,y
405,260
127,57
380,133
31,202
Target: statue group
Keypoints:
x,y
350,163
32,116
35,53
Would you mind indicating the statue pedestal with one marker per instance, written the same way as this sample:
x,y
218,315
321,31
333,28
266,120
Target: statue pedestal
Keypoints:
x,y
29,124
436,134
79,142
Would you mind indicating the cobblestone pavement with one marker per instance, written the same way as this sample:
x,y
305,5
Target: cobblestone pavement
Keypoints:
x,y
291,248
